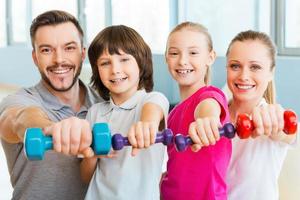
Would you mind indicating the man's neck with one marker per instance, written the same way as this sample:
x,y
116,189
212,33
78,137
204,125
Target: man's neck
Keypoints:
x,y
74,97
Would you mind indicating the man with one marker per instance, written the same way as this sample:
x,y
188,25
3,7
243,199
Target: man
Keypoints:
x,y
58,53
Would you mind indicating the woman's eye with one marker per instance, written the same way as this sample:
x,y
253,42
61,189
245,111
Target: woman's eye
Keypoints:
x,y
255,67
234,66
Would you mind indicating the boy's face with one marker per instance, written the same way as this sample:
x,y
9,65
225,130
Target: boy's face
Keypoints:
x,y
58,54
187,57
119,74
248,70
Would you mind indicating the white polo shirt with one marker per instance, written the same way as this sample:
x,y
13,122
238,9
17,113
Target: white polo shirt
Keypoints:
x,y
127,177
255,167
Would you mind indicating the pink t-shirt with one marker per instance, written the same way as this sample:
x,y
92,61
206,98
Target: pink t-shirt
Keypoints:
x,y
201,175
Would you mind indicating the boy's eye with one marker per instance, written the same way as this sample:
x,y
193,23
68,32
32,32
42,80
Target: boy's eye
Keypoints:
x,y
124,59
104,63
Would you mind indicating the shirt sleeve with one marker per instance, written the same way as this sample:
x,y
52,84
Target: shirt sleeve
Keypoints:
x,y
19,99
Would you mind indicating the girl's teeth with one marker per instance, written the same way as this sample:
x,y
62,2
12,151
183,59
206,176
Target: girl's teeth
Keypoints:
x,y
184,71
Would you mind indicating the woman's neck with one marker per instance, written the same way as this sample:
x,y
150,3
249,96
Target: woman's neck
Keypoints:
x,y
241,107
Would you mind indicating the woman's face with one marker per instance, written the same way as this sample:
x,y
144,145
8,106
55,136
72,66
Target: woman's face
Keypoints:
x,y
248,70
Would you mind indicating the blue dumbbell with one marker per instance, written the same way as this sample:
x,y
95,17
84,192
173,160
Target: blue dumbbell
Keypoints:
x,y
165,137
36,143
182,142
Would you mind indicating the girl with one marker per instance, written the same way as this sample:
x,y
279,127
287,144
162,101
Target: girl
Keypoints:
x,y
122,74
203,108
255,164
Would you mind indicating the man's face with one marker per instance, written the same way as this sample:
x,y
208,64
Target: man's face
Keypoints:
x,y
58,54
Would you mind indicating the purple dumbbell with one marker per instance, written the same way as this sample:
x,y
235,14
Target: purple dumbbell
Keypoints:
x,y
182,142
118,141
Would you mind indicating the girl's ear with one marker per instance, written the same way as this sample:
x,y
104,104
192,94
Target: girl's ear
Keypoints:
x,y
272,74
211,57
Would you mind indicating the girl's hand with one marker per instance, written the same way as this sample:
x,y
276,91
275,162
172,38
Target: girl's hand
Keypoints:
x,y
142,135
204,132
268,120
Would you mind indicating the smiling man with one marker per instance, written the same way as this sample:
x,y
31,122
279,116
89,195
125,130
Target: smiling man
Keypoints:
x,y
58,53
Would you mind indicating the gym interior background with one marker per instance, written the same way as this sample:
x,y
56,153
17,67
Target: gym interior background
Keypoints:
x,y
153,19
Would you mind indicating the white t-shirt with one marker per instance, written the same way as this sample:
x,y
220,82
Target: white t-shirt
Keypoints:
x,y
255,167
127,177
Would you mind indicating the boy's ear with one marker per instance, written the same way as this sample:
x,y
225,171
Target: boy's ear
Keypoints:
x,y
212,57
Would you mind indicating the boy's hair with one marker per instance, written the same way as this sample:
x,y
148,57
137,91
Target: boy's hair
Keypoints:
x,y
113,39
270,93
201,29
53,17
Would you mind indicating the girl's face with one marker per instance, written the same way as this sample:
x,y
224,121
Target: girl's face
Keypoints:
x,y
119,74
188,57
248,70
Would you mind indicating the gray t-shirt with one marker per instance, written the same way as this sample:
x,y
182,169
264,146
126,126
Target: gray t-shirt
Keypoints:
x,y
126,177
56,177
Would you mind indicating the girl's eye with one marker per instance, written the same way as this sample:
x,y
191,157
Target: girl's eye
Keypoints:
x,y
255,67
173,53
194,52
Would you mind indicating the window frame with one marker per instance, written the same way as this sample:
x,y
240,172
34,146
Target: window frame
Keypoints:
x,y
280,29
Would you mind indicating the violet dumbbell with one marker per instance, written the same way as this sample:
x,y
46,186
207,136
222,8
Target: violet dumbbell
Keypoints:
x,y
182,142
118,141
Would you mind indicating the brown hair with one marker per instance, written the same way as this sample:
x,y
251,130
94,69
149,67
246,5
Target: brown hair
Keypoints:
x,y
201,29
116,38
270,93
53,17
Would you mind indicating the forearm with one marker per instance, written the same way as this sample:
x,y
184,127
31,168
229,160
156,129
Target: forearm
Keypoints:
x,y
14,121
87,169
153,113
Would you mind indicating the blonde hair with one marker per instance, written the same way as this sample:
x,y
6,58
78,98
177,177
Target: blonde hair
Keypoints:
x,y
201,29
270,92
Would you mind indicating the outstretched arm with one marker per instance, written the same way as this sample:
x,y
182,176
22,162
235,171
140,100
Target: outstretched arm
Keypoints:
x,y
15,120
142,134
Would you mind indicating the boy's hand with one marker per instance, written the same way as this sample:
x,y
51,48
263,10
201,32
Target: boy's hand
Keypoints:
x,y
204,132
142,135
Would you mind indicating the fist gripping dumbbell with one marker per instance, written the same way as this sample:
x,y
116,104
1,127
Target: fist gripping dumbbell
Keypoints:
x,y
165,137
244,125
36,143
182,142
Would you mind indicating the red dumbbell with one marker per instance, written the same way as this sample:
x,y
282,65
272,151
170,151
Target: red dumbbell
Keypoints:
x,y
244,125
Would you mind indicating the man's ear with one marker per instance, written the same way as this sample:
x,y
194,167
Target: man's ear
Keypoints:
x,y
34,58
83,53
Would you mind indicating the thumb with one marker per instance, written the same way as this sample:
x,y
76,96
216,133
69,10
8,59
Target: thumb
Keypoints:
x,y
88,152
47,130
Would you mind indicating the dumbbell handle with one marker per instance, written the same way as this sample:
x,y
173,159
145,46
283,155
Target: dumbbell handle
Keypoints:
x,y
245,126
182,142
165,137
